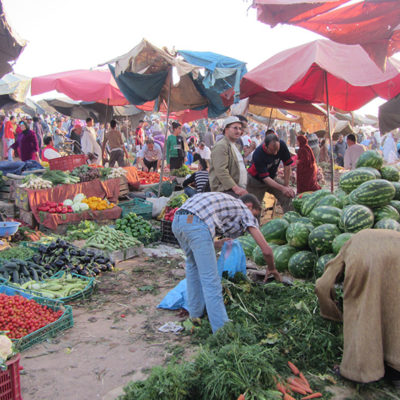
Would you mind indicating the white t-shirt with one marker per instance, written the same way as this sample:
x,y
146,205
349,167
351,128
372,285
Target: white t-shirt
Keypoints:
x,y
50,154
352,155
246,140
242,168
205,154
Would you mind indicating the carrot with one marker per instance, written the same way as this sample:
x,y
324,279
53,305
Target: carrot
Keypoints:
x,y
288,397
312,396
297,389
294,369
301,383
303,378
241,397
281,388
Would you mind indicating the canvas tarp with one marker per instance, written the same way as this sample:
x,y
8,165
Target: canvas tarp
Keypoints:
x,y
389,115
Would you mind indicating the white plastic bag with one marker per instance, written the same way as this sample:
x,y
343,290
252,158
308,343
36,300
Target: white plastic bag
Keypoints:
x,y
158,204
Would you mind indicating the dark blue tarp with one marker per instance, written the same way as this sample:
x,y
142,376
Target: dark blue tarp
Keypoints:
x,y
18,167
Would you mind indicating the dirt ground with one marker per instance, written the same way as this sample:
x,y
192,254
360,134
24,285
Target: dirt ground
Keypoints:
x,y
115,337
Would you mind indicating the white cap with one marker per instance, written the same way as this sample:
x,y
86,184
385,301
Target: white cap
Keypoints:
x,y
230,120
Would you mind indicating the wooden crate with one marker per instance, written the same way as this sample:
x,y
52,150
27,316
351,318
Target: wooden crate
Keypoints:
x,y
123,187
28,218
7,208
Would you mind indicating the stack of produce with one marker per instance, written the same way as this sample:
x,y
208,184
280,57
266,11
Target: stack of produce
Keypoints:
x,y
136,226
96,203
110,239
55,208
20,271
148,178
56,288
368,197
182,172
77,204
116,173
20,316
57,177
18,252
34,182
82,231
168,213
86,173
61,255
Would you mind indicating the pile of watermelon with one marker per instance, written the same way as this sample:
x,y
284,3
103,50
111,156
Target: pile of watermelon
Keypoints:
x,y
306,239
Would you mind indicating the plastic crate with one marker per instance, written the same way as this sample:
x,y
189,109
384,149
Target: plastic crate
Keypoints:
x,y
167,236
67,163
10,385
138,206
51,330
84,294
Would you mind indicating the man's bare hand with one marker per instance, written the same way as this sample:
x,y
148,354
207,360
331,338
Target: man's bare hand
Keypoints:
x,y
239,191
275,274
288,191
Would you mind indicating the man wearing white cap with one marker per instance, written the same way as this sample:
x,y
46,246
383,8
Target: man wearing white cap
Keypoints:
x,y
227,170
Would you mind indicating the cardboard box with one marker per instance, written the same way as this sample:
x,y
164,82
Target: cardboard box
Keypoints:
x,y
21,199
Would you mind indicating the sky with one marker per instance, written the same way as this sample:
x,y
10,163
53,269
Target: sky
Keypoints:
x,y
78,34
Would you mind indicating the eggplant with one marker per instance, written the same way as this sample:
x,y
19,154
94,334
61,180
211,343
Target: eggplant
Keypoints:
x,y
42,249
73,252
59,263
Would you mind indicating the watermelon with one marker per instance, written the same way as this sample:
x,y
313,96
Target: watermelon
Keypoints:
x,y
311,201
330,200
282,256
320,265
257,255
373,170
356,217
397,188
274,231
325,215
297,234
387,223
386,212
340,240
248,244
302,264
396,205
291,216
298,200
353,179
390,173
370,158
375,193
306,221
321,238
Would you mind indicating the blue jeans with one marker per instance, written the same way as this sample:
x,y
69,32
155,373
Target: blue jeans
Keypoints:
x,y
10,142
189,191
203,282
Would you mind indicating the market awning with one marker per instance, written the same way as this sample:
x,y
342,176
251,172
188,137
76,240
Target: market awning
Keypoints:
x,y
373,24
389,115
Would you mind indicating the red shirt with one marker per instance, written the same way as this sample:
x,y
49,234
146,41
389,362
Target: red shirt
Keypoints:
x,y
9,130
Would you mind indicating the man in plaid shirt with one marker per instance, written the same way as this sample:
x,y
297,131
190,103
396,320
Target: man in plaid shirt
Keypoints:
x,y
196,224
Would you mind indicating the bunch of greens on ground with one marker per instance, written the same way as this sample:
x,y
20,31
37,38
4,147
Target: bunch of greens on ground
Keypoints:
x,y
181,172
82,231
272,324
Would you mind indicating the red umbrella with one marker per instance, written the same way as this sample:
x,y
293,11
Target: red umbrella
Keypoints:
x,y
322,72
87,85
374,24
298,74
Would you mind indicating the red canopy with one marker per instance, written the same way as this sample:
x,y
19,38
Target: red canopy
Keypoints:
x,y
373,24
86,85
298,74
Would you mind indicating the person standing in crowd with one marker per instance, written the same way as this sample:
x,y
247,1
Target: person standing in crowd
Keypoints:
x,y
26,144
75,136
90,147
58,134
175,147
195,225
389,148
292,136
306,167
353,152
101,130
116,145
49,152
199,179
150,156
227,170
37,128
339,149
263,169
139,135
313,142
204,152
209,138
9,136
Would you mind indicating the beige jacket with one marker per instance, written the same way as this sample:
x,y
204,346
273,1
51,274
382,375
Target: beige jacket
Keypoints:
x,y
224,167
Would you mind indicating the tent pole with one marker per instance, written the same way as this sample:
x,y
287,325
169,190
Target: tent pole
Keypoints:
x,y
166,133
329,129
269,119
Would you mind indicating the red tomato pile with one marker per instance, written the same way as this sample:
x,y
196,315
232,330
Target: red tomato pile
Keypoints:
x,y
146,178
20,316
52,207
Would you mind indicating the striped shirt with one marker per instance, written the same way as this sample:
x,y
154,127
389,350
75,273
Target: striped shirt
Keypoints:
x,y
223,214
200,178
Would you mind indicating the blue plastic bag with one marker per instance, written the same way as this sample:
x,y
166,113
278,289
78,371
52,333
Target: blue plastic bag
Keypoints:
x,y
232,260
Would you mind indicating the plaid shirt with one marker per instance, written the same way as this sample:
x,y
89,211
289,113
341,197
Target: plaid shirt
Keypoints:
x,y
223,214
